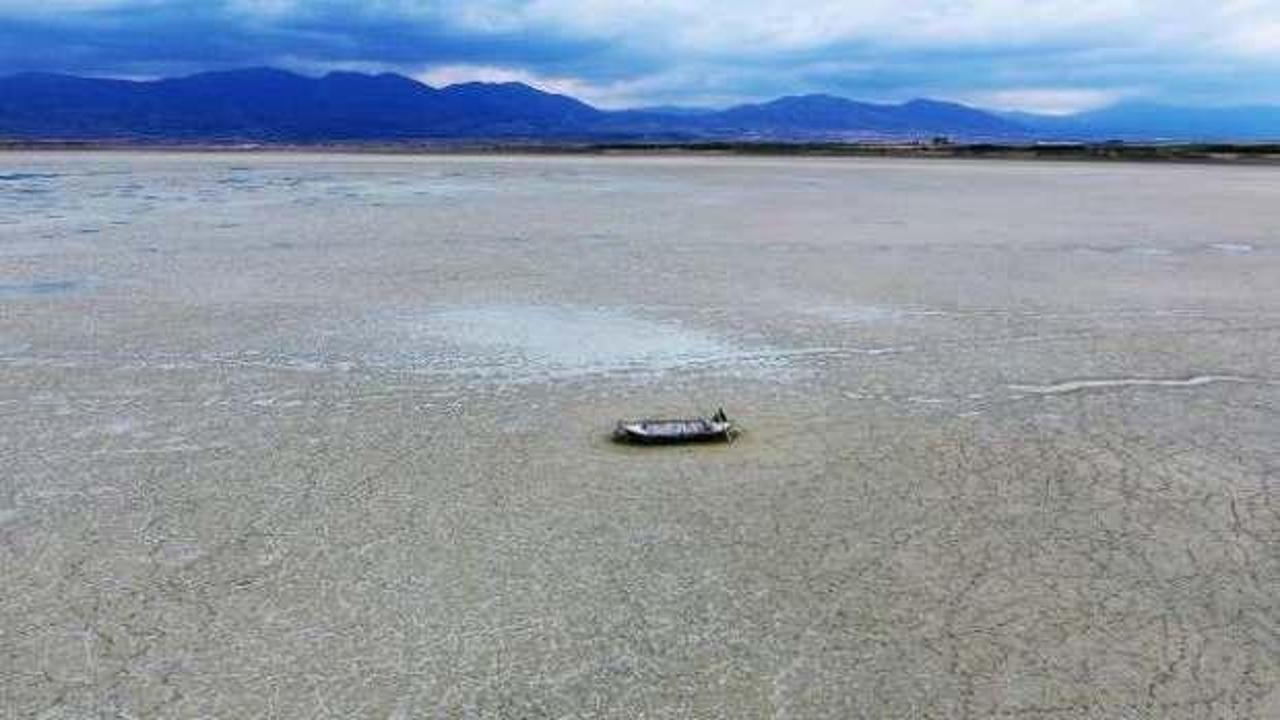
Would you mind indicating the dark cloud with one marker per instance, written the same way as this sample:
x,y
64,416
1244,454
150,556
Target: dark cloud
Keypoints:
x,y
185,37
670,53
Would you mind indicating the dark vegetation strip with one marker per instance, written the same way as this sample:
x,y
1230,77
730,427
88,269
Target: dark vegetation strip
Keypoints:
x,y
1227,153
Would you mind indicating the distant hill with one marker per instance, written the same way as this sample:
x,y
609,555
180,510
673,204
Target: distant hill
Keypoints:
x,y
269,105
1149,121
265,104
827,114
678,110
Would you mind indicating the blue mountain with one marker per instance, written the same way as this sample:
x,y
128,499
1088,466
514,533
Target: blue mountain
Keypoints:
x,y
264,104
827,114
270,105
1154,121
274,105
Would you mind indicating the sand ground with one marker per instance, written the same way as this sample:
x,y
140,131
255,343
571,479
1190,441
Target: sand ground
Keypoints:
x,y
323,436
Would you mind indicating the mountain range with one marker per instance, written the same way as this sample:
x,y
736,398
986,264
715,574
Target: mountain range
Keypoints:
x,y
270,105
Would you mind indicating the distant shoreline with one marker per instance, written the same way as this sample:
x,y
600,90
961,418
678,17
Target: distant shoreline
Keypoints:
x,y
1195,153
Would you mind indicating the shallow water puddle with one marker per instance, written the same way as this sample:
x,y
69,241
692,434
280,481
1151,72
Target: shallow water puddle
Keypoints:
x,y
870,314
1232,248
567,340
8,516
41,288
27,176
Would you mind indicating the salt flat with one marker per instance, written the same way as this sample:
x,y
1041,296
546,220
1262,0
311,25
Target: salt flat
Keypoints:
x,y
293,435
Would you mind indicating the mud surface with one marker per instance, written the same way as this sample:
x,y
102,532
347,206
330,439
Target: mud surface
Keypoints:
x,y
307,436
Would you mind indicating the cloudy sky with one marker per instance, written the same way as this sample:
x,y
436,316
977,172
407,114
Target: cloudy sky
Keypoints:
x,y
1040,55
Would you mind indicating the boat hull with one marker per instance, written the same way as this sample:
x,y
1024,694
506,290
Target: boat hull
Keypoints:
x,y
673,432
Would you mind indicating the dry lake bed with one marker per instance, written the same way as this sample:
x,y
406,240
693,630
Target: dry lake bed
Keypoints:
x,y
292,436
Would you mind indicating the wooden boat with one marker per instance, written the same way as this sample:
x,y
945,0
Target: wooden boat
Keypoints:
x,y
668,432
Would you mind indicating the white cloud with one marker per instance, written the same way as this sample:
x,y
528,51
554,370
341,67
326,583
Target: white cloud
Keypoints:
x,y
754,27
1261,40
1046,101
444,75
1093,42
735,25
603,95
263,8
63,8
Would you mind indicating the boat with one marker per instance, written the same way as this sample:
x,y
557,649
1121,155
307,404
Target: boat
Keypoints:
x,y
718,427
